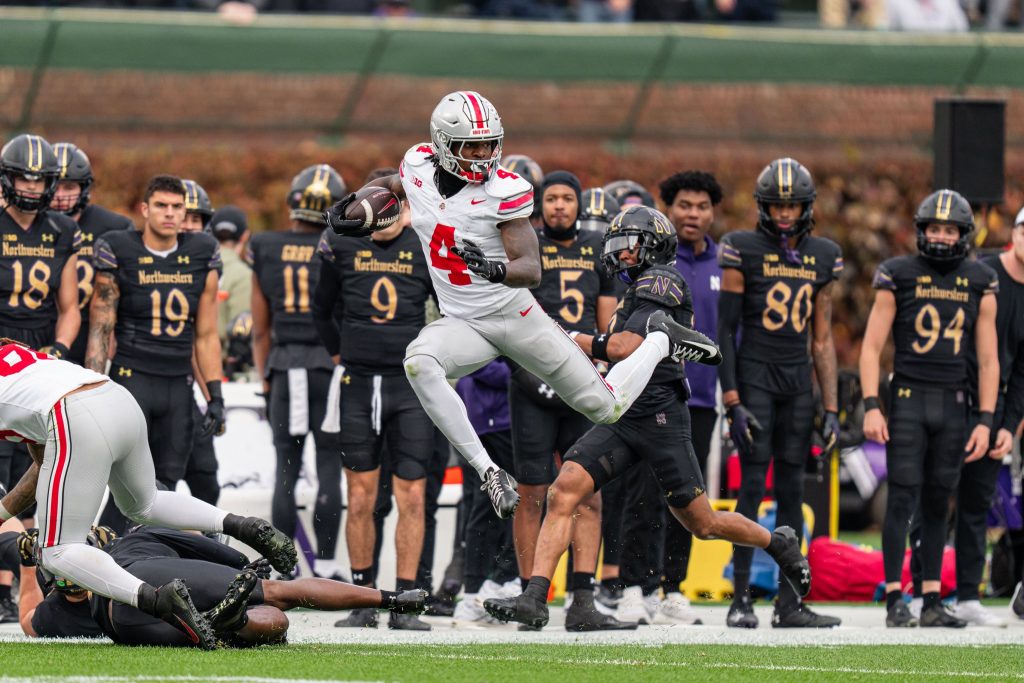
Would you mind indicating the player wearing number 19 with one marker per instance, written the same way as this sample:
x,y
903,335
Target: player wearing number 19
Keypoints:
x,y
936,303
777,282
291,360
156,296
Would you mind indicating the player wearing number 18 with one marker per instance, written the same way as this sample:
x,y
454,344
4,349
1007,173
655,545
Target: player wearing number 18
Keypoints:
x,y
156,296
937,305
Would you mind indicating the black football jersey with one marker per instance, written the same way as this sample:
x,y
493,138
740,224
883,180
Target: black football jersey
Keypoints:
x,y
572,278
31,264
94,222
658,287
160,295
287,268
384,288
778,294
935,314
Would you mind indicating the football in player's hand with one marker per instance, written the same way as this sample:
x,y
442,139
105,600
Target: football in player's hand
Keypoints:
x,y
377,207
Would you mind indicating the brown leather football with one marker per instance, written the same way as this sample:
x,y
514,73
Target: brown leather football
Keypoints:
x,y
377,207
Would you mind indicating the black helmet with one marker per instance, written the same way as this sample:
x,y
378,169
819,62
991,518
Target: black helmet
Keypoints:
x,y
785,181
627,192
944,206
314,190
598,210
197,201
638,226
32,157
73,165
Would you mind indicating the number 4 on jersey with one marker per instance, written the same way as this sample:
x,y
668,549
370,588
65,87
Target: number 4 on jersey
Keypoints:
x,y
444,236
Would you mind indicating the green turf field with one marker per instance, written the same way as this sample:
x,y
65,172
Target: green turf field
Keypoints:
x,y
533,663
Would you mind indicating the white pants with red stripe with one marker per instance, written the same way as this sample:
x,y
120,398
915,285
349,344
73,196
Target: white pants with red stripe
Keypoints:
x,y
450,348
98,438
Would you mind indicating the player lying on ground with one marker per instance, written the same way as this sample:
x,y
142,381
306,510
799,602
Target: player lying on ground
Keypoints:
x,y
243,605
85,433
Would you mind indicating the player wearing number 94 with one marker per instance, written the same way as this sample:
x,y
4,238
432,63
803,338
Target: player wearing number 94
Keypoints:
x,y
472,219
937,304
155,295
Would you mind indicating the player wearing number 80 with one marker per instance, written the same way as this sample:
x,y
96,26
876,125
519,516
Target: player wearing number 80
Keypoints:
x,y
472,218
937,304
156,291
777,281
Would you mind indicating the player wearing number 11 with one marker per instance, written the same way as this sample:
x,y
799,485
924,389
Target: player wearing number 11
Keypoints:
x,y
155,295
937,304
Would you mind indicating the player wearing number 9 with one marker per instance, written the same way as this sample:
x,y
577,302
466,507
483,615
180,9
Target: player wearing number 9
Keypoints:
x,y
155,295
777,281
938,305
38,265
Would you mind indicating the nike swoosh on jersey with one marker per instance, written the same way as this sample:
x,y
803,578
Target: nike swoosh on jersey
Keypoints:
x,y
523,313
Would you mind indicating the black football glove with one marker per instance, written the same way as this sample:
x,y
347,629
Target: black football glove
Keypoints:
x,y
57,350
27,547
492,271
214,420
743,428
830,430
260,568
335,219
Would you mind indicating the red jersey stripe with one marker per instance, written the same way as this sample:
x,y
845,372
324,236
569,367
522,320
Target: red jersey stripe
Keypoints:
x,y
515,203
56,480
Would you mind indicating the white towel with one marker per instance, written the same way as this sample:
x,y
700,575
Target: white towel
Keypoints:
x,y
376,405
298,402
332,415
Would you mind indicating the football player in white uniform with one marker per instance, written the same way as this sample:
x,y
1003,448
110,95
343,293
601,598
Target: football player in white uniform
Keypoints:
x,y
84,433
472,218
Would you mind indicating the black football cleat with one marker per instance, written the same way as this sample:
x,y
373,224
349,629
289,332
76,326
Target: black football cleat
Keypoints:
x,y
410,602
521,608
583,616
501,489
684,343
363,617
939,616
801,616
899,616
791,561
407,622
174,605
1017,603
741,613
269,542
8,611
439,605
229,615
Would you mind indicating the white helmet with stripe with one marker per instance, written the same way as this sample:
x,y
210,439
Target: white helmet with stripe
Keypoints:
x,y
461,117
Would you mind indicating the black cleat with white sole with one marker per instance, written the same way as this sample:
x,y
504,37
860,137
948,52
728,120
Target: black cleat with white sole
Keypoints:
x,y
685,343
521,608
501,489
741,613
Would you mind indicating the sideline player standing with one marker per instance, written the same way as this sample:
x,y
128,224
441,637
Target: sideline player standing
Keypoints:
x,y
472,220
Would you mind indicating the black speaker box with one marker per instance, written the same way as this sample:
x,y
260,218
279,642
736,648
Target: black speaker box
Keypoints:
x,y
970,143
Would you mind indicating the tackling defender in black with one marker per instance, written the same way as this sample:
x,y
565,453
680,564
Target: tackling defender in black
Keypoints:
x,y
291,360
381,286
72,198
156,296
777,282
640,247
579,294
935,303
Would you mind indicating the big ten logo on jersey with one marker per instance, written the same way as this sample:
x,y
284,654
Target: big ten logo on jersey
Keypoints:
x,y
297,253
365,261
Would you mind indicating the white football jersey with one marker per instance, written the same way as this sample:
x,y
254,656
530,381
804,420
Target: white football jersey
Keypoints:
x,y
30,384
473,214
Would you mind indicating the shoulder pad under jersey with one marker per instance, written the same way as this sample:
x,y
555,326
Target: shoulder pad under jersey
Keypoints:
x,y
419,155
663,285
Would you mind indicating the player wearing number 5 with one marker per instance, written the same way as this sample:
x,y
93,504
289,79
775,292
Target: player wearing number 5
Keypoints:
x,y
937,304
472,218
290,358
155,295
777,282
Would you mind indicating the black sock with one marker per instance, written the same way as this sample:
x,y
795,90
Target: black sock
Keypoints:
x,y
473,584
776,545
538,588
147,599
405,584
893,597
583,581
387,599
233,525
931,600
524,581
5,592
363,577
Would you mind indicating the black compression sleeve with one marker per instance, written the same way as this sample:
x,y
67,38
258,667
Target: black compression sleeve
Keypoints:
x,y
328,289
1014,410
730,310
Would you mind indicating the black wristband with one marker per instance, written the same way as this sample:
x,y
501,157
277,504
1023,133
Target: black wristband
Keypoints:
x,y
213,386
59,350
500,272
599,348
871,403
985,417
